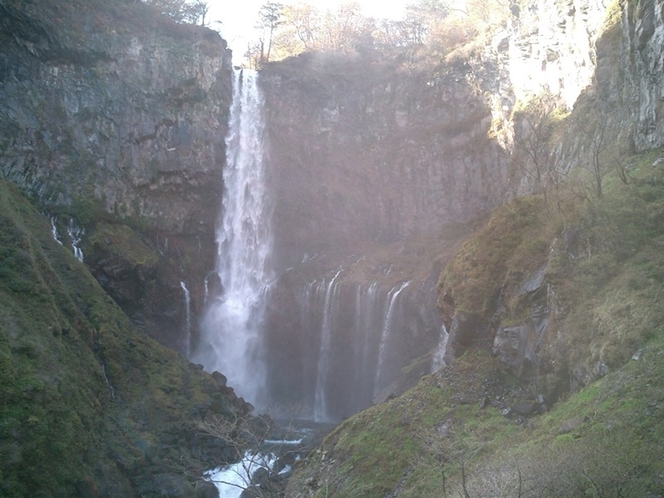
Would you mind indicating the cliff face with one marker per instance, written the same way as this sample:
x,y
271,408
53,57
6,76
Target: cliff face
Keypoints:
x,y
532,317
368,161
107,110
112,119
365,151
368,151
553,306
642,60
372,151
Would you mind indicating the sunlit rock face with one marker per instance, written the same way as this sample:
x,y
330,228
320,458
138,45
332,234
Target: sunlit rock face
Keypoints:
x,y
551,47
643,65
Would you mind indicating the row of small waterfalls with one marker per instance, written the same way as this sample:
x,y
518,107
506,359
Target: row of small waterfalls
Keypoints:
x,y
340,346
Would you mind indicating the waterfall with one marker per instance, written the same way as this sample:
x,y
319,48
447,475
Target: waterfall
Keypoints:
x,y
320,402
75,233
206,290
54,230
356,325
438,360
386,330
231,329
187,323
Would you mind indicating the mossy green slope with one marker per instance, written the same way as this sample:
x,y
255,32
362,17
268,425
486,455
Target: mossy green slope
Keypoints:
x,y
449,435
88,405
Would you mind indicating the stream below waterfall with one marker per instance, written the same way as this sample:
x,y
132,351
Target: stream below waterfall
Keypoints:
x,y
266,468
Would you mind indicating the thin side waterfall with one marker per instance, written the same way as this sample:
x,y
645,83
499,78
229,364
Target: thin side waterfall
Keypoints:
x,y
206,290
356,326
187,322
232,327
54,230
320,402
438,360
385,333
75,234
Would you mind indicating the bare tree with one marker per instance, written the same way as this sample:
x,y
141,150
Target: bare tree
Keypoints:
x,y
534,131
600,140
422,17
240,433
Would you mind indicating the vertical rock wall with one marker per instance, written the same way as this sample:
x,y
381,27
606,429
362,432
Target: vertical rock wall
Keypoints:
x,y
364,152
111,112
367,151
642,66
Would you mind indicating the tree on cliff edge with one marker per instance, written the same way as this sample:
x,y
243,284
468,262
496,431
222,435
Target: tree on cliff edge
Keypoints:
x,y
270,16
186,11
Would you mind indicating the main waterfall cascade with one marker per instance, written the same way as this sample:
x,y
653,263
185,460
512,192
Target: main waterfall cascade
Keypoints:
x,y
231,330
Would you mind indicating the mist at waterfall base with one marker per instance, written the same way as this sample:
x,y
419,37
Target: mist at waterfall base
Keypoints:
x,y
231,328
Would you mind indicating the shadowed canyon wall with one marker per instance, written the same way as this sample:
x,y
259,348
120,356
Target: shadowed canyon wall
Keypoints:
x,y
364,151
114,119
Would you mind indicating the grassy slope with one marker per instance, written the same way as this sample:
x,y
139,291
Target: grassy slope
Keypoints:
x,y
433,438
86,401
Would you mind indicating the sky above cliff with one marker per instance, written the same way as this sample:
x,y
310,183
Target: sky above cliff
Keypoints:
x,y
237,20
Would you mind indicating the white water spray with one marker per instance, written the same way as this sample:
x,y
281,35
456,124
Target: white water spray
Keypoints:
x,y
75,234
366,305
385,333
232,326
187,322
54,230
438,360
320,401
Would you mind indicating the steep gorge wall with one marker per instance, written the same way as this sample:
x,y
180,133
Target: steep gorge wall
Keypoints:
x,y
620,110
111,113
367,151
364,151
368,162
641,65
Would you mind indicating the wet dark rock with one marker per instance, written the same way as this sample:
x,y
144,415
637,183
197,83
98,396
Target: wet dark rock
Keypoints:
x,y
117,127
525,408
467,330
261,477
519,345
